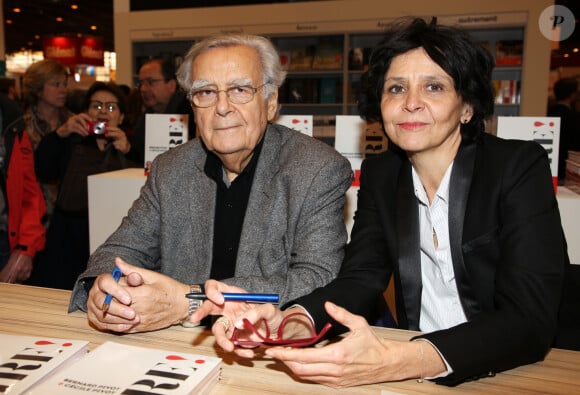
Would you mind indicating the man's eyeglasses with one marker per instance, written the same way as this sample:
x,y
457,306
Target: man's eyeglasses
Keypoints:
x,y
148,82
266,340
238,94
110,106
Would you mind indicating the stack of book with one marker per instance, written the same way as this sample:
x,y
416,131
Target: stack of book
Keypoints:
x,y
509,52
572,180
37,365
506,91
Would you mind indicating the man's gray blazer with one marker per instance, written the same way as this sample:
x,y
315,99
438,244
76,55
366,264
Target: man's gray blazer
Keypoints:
x,y
293,233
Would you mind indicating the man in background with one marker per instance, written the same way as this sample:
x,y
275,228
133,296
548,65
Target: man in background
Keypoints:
x,y
566,92
8,88
161,95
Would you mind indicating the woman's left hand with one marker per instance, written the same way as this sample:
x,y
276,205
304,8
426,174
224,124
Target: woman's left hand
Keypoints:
x,y
360,358
119,139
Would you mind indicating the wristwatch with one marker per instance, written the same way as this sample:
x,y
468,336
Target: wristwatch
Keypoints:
x,y
193,305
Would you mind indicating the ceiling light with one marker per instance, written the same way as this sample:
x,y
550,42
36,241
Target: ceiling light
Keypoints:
x,y
74,6
575,50
16,10
93,27
9,21
59,19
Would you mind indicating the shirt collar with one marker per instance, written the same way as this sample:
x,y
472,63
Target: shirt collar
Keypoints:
x,y
442,192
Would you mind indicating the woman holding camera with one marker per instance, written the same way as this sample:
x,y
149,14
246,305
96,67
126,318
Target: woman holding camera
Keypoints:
x,y
87,143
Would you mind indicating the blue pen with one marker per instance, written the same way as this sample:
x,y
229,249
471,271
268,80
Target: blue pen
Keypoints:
x,y
116,275
240,297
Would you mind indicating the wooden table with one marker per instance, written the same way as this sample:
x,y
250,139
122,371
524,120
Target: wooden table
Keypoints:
x,y
42,311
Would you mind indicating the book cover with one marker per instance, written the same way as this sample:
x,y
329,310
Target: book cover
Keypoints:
x,y
301,58
507,91
295,90
356,58
357,139
114,368
329,87
509,52
26,360
163,132
328,54
285,59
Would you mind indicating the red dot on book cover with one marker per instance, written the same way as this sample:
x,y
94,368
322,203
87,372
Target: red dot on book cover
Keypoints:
x,y
174,358
551,123
538,123
67,344
42,342
172,119
200,361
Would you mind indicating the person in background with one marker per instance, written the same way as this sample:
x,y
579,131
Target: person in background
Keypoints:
x,y
8,88
566,93
251,203
22,205
467,223
160,94
44,89
88,143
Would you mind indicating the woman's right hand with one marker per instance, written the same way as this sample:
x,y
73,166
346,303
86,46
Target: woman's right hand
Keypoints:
x,y
75,124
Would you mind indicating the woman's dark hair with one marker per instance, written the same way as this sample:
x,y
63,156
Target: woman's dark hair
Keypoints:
x,y
467,62
110,87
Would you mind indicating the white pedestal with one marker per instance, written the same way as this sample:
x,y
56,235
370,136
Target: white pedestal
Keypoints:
x,y
111,195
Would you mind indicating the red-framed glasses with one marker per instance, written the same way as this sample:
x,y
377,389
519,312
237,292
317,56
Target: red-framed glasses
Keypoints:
x,y
266,340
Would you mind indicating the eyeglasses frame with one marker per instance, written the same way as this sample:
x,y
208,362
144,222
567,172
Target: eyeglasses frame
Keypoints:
x,y
254,89
280,341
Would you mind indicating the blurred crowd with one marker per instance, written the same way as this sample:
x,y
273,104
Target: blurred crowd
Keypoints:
x,y
53,137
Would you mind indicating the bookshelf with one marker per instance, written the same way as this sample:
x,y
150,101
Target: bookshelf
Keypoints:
x,y
342,29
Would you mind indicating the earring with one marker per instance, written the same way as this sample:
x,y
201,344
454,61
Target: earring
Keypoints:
x,y
464,121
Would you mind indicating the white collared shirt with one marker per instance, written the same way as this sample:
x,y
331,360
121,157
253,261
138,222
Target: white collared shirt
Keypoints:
x,y
440,304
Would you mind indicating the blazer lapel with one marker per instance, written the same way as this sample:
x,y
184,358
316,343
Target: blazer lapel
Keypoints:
x,y
202,202
260,204
408,269
460,184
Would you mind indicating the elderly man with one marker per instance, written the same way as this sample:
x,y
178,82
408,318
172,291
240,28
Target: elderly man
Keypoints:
x,y
253,204
161,95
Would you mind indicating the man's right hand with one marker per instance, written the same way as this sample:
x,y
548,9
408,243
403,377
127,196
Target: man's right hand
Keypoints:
x,y
120,317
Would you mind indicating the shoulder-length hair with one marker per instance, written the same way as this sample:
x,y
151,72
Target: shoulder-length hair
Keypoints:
x,y
465,61
38,74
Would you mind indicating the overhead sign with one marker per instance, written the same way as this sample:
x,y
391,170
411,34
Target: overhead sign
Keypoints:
x,y
72,51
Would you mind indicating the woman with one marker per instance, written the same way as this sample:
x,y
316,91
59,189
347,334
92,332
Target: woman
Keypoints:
x,y
88,143
467,224
44,90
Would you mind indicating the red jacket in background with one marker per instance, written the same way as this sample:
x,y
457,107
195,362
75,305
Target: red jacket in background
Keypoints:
x,y
24,198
